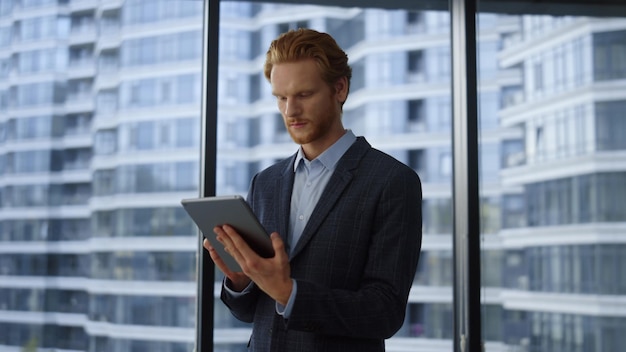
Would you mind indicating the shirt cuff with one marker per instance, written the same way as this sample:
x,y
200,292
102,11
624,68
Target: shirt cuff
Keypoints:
x,y
234,293
285,311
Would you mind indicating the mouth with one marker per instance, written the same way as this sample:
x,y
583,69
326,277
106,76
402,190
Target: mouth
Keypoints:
x,y
297,124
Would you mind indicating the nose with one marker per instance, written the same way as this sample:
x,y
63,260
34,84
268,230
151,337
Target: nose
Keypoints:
x,y
292,107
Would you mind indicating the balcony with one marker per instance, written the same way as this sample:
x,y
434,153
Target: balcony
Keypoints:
x,y
79,102
416,78
111,5
83,34
81,68
512,99
515,159
82,5
108,78
417,127
110,38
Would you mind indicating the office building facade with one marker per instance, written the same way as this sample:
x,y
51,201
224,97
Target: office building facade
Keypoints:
x,y
99,142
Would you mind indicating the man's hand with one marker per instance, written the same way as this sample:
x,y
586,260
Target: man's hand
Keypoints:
x,y
272,275
238,280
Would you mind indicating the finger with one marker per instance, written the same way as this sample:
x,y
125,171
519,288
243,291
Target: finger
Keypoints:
x,y
221,235
238,245
278,244
206,244
224,238
230,239
219,262
214,255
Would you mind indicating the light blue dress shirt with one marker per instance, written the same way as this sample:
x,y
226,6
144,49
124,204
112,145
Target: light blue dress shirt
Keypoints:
x,y
310,180
309,183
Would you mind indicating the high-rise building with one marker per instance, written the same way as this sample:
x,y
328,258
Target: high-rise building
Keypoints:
x,y
99,141
564,237
100,111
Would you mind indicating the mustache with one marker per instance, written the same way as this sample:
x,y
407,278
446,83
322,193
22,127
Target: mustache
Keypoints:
x,y
291,121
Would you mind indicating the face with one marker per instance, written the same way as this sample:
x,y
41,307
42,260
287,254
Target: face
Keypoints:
x,y
311,109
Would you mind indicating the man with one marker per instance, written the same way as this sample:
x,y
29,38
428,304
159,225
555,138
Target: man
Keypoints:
x,y
345,219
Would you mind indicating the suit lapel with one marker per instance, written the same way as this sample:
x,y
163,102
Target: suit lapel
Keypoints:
x,y
344,172
283,198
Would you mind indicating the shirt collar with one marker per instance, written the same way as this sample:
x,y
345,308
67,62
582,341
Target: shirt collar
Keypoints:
x,y
330,156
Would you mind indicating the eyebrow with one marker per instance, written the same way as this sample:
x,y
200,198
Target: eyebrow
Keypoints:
x,y
307,90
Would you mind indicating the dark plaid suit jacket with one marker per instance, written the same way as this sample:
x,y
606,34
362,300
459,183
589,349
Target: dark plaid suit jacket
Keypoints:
x,y
355,262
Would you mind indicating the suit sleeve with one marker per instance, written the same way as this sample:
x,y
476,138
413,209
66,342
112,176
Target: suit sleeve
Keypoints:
x,y
242,306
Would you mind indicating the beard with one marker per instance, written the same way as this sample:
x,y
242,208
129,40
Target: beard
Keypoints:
x,y
313,130
317,126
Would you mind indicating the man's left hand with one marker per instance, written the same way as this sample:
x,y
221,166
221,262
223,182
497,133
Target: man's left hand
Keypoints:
x,y
272,275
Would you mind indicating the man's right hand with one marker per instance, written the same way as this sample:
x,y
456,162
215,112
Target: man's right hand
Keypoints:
x,y
238,280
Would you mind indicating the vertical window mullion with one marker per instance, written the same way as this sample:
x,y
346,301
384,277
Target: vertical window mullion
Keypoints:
x,y
466,201
208,157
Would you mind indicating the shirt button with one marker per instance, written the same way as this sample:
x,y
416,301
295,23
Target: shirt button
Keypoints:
x,y
301,217
308,184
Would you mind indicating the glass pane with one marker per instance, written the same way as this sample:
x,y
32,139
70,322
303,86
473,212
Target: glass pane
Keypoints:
x,y
553,182
399,100
100,110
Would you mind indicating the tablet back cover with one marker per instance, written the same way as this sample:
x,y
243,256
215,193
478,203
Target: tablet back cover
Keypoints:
x,y
209,212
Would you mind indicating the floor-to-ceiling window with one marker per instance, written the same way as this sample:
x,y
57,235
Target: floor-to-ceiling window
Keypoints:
x,y
100,111
399,100
553,182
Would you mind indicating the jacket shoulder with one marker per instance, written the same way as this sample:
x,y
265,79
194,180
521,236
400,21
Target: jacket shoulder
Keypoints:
x,y
276,169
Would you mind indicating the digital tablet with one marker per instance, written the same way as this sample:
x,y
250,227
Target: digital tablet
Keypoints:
x,y
233,210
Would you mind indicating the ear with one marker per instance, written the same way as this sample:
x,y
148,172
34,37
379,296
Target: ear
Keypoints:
x,y
341,89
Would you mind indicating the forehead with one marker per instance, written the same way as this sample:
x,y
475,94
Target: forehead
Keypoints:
x,y
291,77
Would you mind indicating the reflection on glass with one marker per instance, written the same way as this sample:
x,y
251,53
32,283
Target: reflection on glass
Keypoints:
x,y
554,255
399,100
99,140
